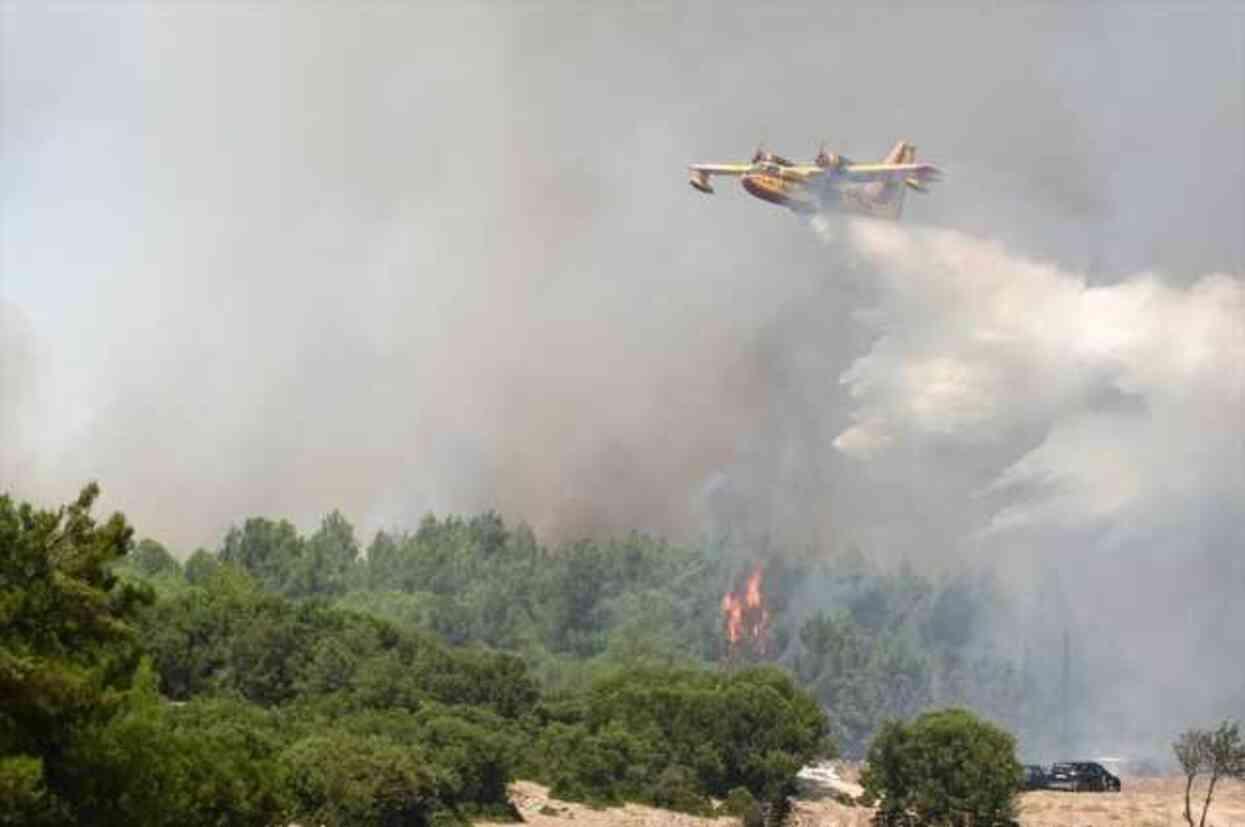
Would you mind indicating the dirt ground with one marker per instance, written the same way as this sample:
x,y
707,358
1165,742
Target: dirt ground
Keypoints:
x,y
539,810
1145,802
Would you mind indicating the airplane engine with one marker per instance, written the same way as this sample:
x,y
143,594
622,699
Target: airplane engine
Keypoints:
x,y
700,180
913,183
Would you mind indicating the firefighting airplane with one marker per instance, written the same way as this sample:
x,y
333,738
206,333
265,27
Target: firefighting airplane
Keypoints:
x,y
830,182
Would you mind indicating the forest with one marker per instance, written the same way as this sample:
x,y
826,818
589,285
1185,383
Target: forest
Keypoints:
x,y
869,643
285,675
247,688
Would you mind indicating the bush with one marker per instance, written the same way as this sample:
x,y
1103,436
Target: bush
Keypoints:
x,y
675,737
346,781
741,804
739,801
676,789
946,767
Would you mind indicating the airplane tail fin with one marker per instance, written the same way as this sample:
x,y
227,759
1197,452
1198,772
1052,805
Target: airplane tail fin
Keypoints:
x,y
901,153
890,199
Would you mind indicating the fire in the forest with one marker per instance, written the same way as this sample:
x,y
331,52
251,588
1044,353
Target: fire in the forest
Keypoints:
x,y
745,618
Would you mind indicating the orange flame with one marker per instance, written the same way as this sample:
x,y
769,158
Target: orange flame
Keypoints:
x,y
745,618
733,614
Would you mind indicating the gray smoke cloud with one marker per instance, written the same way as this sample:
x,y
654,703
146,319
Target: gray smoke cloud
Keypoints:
x,y
1137,386
1106,422
390,258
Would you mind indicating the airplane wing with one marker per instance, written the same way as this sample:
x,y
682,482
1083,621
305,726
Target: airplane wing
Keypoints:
x,y
721,169
699,173
914,175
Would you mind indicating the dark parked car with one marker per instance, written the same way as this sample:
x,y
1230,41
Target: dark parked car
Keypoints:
x,y
1036,777
1082,776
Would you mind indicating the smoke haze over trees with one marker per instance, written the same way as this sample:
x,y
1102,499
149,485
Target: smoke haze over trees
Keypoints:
x,y
401,260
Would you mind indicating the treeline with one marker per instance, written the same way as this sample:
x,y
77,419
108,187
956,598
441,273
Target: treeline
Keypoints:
x,y
232,691
868,643
895,644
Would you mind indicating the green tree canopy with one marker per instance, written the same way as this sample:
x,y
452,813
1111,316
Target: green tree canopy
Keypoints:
x,y
270,551
200,566
327,560
151,559
67,649
676,736
945,767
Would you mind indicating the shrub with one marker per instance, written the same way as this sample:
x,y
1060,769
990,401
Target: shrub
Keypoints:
x,y
946,767
739,801
346,781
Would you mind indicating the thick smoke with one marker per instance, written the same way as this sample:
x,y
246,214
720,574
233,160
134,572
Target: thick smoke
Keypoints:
x,y
285,258
1136,388
1107,424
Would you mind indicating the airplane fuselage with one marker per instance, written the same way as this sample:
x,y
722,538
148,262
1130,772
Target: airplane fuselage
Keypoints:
x,y
795,195
826,192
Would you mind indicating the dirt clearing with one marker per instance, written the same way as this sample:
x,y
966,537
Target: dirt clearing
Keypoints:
x,y
1145,802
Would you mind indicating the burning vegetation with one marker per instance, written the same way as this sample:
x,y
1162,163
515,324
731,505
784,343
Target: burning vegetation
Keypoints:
x,y
745,618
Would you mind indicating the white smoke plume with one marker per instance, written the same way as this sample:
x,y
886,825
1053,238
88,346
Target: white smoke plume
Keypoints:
x,y
1106,425
1137,387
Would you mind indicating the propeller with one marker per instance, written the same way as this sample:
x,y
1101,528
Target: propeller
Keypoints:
x,y
824,158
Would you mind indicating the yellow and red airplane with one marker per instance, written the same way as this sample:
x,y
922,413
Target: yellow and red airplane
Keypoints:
x,y
830,182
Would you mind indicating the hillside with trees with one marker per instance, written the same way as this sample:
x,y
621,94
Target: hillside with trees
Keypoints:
x,y
242,689
867,642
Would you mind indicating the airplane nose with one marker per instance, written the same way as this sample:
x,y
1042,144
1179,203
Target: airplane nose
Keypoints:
x,y
756,185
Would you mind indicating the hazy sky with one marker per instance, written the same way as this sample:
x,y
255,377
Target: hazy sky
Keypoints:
x,y
392,258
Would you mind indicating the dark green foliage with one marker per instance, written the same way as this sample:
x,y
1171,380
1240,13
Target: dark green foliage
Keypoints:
x,y
678,788
150,559
67,651
674,737
456,762
230,637
476,581
327,561
344,780
282,697
754,816
156,765
200,567
274,553
23,791
945,767
738,802
292,680
268,551
897,643
477,761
